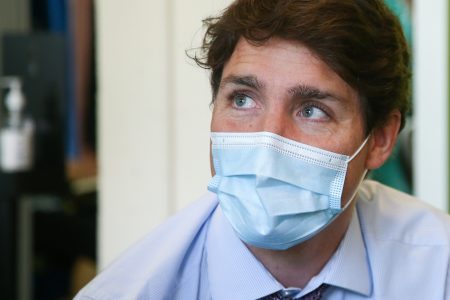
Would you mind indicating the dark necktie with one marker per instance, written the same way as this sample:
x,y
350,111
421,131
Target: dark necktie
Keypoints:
x,y
289,295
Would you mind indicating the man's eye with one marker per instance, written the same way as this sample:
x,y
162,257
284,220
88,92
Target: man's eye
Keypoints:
x,y
313,113
243,101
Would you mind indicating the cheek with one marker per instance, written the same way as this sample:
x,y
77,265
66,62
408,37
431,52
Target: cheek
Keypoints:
x,y
220,123
211,164
223,121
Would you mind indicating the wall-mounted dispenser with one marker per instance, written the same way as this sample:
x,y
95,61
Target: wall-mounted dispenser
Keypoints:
x,y
17,130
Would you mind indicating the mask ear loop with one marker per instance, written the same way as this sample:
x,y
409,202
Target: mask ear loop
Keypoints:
x,y
356,190
359,149
362,177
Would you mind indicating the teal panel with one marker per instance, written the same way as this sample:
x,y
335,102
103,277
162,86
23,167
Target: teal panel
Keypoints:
x,y
395,171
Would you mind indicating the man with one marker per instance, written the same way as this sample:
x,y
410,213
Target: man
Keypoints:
x,y
308,96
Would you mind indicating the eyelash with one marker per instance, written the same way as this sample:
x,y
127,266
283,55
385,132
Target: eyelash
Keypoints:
x,y
323,108
314,104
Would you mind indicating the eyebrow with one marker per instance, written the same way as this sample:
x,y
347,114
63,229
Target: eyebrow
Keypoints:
x,y
304,91
249,81
301,91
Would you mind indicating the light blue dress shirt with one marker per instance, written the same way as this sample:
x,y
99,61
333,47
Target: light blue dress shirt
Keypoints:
x,y
396,247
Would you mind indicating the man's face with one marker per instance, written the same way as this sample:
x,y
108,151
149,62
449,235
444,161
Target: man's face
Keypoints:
x,y
281,87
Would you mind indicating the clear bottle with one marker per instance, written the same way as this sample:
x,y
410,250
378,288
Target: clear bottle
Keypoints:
x,y
16,133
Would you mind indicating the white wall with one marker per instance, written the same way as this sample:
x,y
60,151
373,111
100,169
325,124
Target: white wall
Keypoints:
x,y
431,136
191,110
153,115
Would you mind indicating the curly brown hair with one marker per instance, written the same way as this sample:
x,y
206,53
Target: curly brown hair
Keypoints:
x,y
361,40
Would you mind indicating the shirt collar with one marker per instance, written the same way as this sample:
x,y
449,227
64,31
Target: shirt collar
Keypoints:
x,y
349,266
234,273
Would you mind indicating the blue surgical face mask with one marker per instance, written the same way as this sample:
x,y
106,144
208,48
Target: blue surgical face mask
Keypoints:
x,y
276,192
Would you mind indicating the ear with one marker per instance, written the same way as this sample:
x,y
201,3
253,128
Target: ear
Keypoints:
x,y
382,141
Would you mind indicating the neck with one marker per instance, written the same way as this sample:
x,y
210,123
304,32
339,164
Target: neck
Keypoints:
x,y
295,266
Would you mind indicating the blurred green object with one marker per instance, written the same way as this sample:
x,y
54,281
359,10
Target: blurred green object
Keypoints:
x,y
396,171
402,10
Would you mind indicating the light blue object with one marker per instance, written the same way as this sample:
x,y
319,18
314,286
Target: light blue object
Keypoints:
x,y
276,192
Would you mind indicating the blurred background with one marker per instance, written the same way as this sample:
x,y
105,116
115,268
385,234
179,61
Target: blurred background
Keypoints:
x,y
105,129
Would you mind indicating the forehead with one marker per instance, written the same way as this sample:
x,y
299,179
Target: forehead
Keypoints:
x,y
284,64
